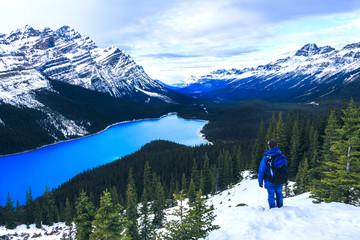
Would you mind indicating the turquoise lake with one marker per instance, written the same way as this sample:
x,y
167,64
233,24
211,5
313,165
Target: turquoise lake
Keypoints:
x,y
57,163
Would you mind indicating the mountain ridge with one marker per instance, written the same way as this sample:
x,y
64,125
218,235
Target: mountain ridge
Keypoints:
x,y
312,74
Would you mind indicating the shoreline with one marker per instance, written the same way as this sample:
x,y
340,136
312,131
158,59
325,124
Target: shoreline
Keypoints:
x,y
201,135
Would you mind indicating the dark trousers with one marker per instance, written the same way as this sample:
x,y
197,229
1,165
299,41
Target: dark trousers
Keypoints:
x,y
279,197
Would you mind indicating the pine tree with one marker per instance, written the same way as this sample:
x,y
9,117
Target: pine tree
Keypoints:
x,y
37,215
178,228
48,208
9,213
293,160
146,228
200,218
207,176
344,175
68,216
159,205
108,223
114,195
302,178
258,149
190,223
192,192
280,131
131,207
289,125
2,215
29,209
271,132
195,175
183,183
85,213
147,181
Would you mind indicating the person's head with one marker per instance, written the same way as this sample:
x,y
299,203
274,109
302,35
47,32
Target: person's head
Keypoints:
x,y
272,143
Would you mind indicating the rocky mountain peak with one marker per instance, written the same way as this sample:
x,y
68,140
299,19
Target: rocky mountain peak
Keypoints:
x,y
68,33
308,50
352,46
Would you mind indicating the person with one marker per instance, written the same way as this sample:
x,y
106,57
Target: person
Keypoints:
x,y
264,174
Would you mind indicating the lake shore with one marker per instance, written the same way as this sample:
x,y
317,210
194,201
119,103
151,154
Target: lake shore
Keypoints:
x,y
201,135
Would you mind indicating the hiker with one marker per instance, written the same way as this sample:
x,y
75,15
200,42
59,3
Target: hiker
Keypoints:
x,y
273,171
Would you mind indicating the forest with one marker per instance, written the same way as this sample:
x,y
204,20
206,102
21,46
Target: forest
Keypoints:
x,y
322,151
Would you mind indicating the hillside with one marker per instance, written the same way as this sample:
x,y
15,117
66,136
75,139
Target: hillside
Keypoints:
x,y
298,219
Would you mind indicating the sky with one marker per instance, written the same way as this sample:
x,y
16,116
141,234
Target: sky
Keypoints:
x,y
175,39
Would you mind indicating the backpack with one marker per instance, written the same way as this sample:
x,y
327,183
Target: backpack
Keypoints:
x,y
277,170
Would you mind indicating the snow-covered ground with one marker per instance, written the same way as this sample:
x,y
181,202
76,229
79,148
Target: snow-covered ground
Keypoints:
x,y
300,218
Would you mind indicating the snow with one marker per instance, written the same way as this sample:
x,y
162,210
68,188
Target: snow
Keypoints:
x,y
299,218
55,232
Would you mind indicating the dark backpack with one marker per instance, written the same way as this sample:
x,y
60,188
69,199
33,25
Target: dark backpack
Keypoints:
x,y
277,170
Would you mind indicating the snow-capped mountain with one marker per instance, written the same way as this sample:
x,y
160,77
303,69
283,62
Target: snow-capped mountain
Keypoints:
x,y
313,73
65,55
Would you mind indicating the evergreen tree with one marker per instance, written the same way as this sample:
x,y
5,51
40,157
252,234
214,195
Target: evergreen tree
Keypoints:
x,y
207,176
159,205
37,215
200,218
294,157
108,223
258,149
68,214
131,207
271,132
2,215
192,192
190,223
302,177
280,131
114,195
48,208
19,212
9,213
183,183
68,217
289,125
343,178
195,175
146,228
177,228
331,135
147,181
85,213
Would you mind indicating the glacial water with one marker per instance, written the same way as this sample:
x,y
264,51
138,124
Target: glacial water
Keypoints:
x,y
57,163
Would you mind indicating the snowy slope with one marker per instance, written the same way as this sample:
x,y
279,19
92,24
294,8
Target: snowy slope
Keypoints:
x,y
299,219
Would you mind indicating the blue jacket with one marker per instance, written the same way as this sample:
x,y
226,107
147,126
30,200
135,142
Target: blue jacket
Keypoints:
x,y
263,169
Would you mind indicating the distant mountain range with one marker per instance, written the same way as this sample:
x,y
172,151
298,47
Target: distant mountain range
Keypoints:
x,y
312,74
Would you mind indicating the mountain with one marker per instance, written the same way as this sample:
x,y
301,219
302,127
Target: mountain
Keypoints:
x,y
312,74
57,85
65,55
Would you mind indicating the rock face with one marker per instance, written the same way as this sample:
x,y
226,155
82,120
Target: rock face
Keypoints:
x,y
65,55
313,73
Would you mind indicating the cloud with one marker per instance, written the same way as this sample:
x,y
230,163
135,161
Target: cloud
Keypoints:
x,y
184,35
